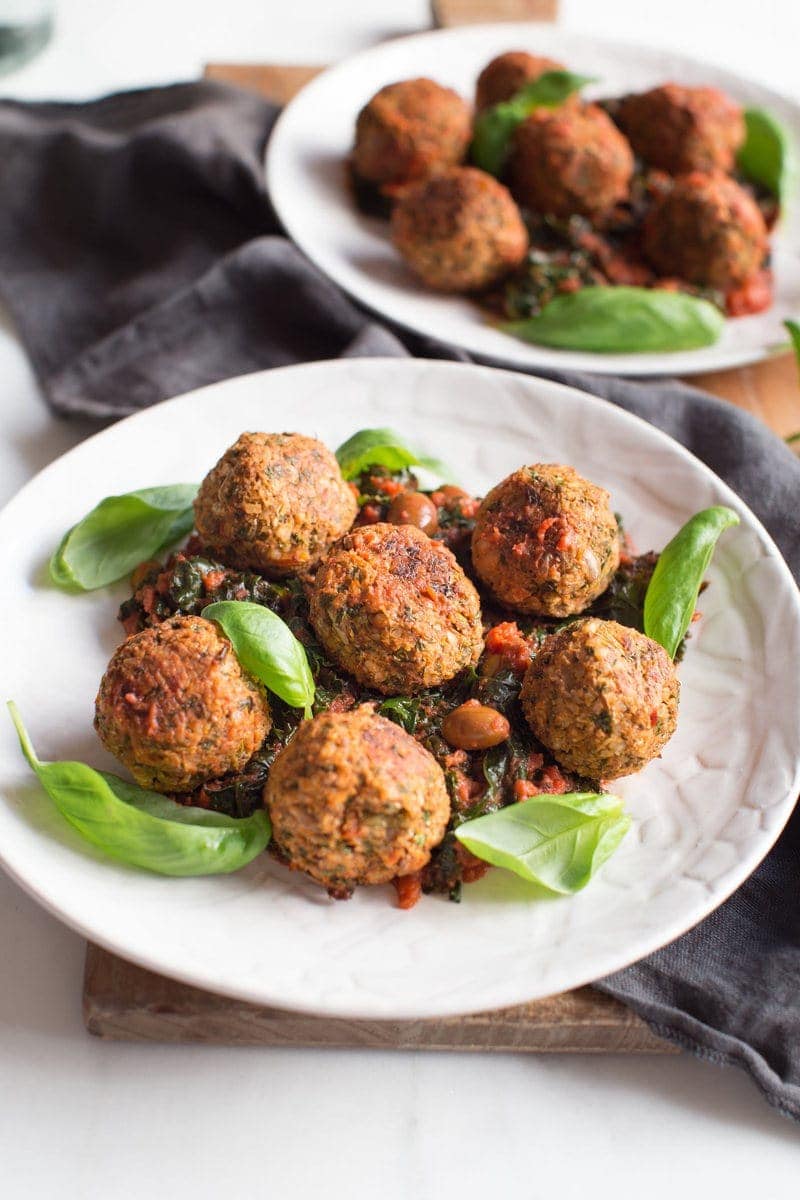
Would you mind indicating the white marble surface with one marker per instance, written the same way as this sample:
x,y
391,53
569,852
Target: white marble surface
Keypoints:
x,y
80,1119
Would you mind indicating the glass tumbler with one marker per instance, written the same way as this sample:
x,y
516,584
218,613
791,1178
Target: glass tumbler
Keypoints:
x,y
25,29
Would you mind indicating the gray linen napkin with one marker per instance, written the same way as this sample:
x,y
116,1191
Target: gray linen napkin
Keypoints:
x,y
140,258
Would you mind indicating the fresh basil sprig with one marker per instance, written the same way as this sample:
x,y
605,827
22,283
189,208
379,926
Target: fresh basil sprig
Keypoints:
x,y
794,333
121,532
383,448
495,126
622,320
675,583
766,155
559,842
267,648
144,828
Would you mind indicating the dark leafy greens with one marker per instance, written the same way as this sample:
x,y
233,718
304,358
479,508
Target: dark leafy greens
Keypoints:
x,y
144,828
267,648
675,585
494,128
623,320
383,448
121,532
403,710
559,842
495,766
766,156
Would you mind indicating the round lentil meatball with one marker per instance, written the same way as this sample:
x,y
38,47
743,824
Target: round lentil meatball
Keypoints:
x,y
176,707
503,77
409,130
395,610
602,698
459,231
706,229
354,799
680,129
274,503
546,541
571,159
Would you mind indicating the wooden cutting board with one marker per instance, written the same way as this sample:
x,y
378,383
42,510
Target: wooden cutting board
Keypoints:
x,y
125,1002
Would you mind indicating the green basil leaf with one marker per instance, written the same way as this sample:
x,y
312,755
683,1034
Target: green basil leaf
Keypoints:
x,y
267,648
121,532
675,583
559,842
623,320
383,448
158,805
794,333
141,828
766,155
495,126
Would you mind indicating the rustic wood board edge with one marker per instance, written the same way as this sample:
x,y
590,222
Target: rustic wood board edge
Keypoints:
x,y
123,1002
446,13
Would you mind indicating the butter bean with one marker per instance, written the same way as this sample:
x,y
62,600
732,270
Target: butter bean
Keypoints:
x,y
474,726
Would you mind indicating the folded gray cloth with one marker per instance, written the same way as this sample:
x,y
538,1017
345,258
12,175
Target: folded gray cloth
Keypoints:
x,y
140,258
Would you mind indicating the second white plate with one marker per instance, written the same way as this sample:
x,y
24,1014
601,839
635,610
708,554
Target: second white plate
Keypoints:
x,y
308,185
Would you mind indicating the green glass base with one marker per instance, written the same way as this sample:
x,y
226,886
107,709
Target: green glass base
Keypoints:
x,y
20,43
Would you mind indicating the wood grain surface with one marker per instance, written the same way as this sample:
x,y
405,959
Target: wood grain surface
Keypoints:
x,y
446,13
125,1002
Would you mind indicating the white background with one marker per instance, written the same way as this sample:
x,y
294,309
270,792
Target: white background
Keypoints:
x,y
85,1119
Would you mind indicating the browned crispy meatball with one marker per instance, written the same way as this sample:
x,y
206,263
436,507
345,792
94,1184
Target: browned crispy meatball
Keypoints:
x,y
503,77
706,229
683,129
394,609
571,159
354,799
602,698
546,541
176,707
459,231
409,130
274,503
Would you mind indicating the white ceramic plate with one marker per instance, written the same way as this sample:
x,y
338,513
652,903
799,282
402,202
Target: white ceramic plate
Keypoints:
x,y
704,815
309,189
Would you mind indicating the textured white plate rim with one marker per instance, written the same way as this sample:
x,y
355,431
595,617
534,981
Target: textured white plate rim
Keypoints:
x,y
506,351
500,996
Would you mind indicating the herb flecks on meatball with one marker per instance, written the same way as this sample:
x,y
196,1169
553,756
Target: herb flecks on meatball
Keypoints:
x,y
571,159
409,130
546,541
706,229
506,74
274,503
602,697
353,799
176,707
459,231
393,608
680,129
